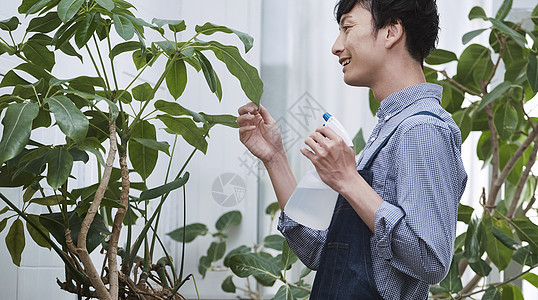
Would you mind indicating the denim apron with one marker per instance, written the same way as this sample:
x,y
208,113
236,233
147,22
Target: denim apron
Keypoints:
x,y
345,270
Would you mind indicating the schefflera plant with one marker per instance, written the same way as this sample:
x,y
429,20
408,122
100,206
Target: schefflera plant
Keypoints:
x,y
114,121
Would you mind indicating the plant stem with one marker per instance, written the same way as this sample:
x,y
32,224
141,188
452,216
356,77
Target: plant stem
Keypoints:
x,y
102,64
522,181
111,59
93,61
116,228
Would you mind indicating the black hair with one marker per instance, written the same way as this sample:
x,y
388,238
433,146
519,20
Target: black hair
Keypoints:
x,y
419,18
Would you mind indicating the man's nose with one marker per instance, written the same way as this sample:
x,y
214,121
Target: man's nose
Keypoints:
x,y
338,45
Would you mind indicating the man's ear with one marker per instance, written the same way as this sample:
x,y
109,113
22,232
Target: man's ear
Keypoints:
x,y
394,34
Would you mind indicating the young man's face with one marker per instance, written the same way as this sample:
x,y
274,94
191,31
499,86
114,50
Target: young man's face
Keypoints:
x,y
357,48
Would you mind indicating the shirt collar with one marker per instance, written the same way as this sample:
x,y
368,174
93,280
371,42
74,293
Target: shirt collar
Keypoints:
x,y
397,101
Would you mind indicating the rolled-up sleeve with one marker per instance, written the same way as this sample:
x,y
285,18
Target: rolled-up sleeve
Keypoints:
x,y
305,242
416,233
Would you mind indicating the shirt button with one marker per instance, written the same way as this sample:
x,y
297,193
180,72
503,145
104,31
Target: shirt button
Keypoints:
x,y
372,139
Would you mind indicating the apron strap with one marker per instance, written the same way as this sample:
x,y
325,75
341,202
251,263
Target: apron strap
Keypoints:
x,y
374,155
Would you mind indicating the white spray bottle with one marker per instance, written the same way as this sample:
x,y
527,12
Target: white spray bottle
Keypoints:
x,y
312,202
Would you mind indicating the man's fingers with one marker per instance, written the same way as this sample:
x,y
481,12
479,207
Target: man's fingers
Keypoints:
x,y
249,108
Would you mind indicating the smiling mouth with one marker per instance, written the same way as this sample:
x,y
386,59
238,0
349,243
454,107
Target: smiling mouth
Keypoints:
x,y
346,62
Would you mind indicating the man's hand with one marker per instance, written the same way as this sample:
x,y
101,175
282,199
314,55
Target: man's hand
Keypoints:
x,y
259,132
333,159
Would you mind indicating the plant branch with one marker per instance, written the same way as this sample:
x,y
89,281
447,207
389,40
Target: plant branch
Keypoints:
x,y
116,228
495,187
459,85
522,181
494,153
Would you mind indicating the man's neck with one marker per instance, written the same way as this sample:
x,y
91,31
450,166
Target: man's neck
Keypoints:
x,y
398,75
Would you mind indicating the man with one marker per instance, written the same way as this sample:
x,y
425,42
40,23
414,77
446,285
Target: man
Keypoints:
x,y
393,228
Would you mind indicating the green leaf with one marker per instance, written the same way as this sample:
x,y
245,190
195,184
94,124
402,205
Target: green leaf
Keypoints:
x,y
374,104
17,127
124,27
144,159
15,241
68,49
531,278
526,231
492,294
284,293
176,79
71,120
38,53
228,285
452,281
3,224
68,8
216,251
247,264
226,120
124,47
174,25
32,6
532,72
481,268
274,241
187,129
106,4
506,119
38,238
114,111
47,23
359,142
153,144
511,292
10,24
60,163
87,28
464,122
466,38
240,249
4,210
497,92
49,200
164,189
191,232
477,12
525,257
227,220
474,241
504,238
518,38
288,257
12,79
209,73
504,10
464,213
474,65
209,28
248,75
203,265
175,109
143,92
97,233
440,56
497,252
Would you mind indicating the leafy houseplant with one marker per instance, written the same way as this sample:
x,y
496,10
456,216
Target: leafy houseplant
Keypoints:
x,y
503,233
266,263
99,115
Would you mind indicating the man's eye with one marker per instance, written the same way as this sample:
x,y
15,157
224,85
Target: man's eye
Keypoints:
x,y
345,28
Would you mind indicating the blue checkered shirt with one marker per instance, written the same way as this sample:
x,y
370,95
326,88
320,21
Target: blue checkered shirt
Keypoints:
x,y
420,176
